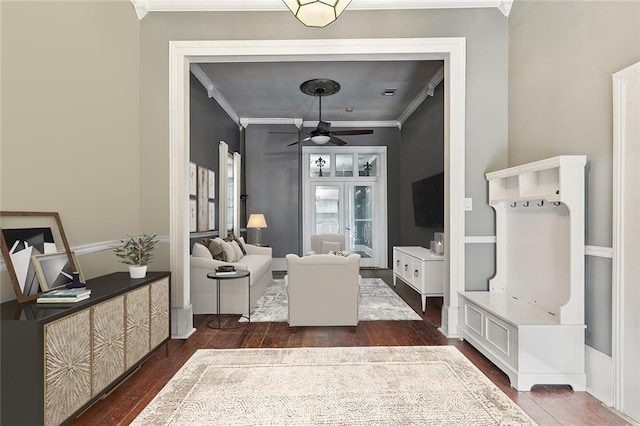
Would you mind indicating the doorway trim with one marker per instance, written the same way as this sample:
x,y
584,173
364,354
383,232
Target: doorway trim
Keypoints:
x,y
450,49
620,303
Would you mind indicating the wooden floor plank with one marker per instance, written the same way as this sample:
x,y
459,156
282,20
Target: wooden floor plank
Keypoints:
x,y
547,405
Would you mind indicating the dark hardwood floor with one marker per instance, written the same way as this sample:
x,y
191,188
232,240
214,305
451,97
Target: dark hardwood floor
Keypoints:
x,y
547,405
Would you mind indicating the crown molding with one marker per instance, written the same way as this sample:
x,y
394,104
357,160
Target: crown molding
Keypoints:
x,y
341,124
213,92
142,7
246,121
427,91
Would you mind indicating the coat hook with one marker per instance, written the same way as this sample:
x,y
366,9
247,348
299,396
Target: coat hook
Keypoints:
x,y
541,203
526,204
513,204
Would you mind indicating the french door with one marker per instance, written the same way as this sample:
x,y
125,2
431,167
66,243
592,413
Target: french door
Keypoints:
x,y
342,199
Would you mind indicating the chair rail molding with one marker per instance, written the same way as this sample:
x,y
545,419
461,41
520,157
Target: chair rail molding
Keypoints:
x,y
142,7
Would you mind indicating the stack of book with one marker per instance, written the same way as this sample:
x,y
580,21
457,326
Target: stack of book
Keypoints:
x,y
225,270
71,295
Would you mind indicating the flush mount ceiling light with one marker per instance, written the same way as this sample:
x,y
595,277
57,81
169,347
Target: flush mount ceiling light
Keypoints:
x,y
316,13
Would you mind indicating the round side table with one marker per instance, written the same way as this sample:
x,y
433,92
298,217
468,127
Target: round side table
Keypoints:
x,y
221,276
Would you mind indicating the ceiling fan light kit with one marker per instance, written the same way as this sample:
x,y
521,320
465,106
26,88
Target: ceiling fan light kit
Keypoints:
x,y
320,139
316,13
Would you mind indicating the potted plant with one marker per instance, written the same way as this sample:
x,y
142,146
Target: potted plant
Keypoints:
x,y
137,252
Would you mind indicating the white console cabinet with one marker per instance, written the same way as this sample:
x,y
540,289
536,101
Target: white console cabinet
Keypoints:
x,y
421,269
531,321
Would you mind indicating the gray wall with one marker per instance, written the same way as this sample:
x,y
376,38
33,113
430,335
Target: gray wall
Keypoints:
x,y
272,173
422,155
560,102
485,31
209,124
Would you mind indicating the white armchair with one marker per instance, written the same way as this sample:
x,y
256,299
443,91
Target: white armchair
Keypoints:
x,y
324,243
323,289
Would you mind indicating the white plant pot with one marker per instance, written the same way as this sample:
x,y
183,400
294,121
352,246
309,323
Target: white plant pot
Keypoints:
x,y
138,271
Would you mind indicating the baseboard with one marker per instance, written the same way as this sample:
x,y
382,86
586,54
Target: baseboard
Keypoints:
x,y
182,322
599,368
449,322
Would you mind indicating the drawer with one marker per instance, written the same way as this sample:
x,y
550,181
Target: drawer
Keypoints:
x,y
397,262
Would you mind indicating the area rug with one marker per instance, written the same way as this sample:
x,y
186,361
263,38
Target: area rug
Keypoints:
x,y
434,385
377,302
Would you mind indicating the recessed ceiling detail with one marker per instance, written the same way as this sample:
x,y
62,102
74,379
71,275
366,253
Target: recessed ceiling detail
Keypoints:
x,y
267,91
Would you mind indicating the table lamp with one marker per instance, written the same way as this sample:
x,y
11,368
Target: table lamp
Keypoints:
x,y
257,221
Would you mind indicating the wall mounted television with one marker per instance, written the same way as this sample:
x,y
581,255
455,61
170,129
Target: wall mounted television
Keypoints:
x,y
428,201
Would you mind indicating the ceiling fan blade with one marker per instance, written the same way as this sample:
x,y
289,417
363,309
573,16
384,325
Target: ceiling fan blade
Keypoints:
x,y
301,140
324,126
352,132
337,141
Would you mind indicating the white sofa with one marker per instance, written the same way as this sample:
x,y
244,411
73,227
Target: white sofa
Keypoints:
x,y
233,292
323,289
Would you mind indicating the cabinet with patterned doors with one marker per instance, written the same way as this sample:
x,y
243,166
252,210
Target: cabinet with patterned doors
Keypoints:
x,y
57,361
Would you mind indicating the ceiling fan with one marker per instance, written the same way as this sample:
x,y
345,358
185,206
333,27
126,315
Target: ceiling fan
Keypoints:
x,y
322,133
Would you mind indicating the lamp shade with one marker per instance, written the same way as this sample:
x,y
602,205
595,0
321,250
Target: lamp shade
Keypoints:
x,y
316,13
257,221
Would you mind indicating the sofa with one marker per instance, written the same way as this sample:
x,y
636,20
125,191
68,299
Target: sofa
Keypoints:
x,y
323,289
257,261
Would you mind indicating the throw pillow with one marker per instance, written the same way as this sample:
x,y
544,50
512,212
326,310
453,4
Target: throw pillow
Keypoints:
x,y
214,248
229,254
240,242
237,250
201,251
328,246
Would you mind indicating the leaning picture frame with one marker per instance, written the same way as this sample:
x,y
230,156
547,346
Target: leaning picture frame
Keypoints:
x,y
54,270
26,234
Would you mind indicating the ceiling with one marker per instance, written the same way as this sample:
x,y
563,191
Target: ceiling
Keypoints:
x,y
269,92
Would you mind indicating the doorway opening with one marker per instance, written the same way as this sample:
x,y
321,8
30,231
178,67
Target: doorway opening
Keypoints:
x,y
183,53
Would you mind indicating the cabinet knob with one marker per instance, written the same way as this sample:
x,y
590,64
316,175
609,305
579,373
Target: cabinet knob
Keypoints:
x,y
406,267
398,262
415,273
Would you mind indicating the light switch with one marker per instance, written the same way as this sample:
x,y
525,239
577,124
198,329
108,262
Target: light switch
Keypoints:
x,y
468,204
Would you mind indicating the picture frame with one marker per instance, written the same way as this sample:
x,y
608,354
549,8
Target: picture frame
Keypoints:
x,y
212,216
193,186
25,234
193,209
212,185
203,199
54,270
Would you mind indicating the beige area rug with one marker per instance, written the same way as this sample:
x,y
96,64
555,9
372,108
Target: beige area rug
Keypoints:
x,y
378,302
434,385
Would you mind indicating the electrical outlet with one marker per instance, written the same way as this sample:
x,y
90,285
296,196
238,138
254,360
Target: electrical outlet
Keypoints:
x,y
468,204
